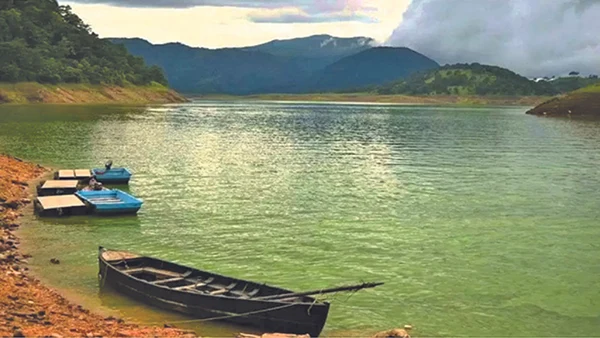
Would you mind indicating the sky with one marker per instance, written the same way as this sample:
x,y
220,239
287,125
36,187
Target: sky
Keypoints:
x,y
531,37
237,23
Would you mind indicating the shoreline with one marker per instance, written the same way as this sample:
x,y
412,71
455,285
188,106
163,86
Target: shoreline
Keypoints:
x,y
30,308
368,98
36,93
583,103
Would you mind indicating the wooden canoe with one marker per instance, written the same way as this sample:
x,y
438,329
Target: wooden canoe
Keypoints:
x,y
206,295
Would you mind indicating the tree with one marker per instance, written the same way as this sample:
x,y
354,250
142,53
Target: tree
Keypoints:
x,y
42,41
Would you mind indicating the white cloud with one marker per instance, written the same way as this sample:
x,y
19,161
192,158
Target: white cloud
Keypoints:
x,y
531,37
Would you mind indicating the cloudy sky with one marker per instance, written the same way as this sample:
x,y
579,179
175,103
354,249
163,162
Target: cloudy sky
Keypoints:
x,y
232,23
531,37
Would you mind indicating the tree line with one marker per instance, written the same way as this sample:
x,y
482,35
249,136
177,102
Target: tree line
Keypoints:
x,y
44,42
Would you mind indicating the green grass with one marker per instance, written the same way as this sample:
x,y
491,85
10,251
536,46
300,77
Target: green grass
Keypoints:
x,y
595,88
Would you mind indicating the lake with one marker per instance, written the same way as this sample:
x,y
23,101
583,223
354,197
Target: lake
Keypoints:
x,y
480,221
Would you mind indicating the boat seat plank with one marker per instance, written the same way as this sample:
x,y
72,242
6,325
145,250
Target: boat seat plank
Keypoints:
x,y
243,294
174,279
152,270
223,290
195,285
61,201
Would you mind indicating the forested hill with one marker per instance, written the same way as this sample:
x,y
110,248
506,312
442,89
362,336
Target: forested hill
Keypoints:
x,y
41,41
468,79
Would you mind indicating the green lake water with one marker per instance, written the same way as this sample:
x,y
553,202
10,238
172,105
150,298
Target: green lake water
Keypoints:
x,y
480,221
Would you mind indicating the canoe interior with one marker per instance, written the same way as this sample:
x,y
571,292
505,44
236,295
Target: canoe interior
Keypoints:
x,y
110,201
185,279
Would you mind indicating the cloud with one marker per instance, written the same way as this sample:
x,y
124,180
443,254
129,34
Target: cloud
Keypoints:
x,y
296,15
531,37
309,11
306,5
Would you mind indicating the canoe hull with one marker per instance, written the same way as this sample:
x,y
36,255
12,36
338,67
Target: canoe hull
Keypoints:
x,y
122,211
110,202
112,176
266,316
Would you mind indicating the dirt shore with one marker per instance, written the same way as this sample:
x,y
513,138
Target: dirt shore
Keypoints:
x,y
580,103
28,308
30,92
443,100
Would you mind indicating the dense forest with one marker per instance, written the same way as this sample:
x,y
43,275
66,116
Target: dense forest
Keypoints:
x,y
44,42
468,79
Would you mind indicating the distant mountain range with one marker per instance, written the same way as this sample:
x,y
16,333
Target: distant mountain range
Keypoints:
x,y
302,65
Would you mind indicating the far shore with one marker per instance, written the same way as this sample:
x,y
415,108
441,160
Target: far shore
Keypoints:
x,y
36,93
451,100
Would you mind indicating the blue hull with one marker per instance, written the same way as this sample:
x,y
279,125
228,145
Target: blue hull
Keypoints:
x,y
114,175
111,202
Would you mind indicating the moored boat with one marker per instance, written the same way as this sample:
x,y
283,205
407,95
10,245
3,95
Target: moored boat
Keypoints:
x,y
112,175
113,201
206,295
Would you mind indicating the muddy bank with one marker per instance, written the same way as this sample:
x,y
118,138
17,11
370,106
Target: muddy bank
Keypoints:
x,y
581,103
27,307
23,93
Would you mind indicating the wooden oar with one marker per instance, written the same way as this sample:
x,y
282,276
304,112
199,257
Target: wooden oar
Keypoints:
x,y
323,291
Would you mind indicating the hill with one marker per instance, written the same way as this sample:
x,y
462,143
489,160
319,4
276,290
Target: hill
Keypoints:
x,y
373,66
208,71
468,79
571,83
316,46
43,42
584,102
281,66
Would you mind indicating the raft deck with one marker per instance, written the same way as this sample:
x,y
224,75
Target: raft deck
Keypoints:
x,y
58,187
60,205
78,174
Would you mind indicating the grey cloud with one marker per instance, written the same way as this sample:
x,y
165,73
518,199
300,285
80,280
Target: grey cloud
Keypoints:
x,y
309,6
314,10
531,37
189,3
305,18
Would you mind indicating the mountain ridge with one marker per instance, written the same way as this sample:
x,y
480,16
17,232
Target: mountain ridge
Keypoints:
x,y
278,66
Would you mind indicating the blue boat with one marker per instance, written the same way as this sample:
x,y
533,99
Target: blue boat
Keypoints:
x,y
112,175
112,201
